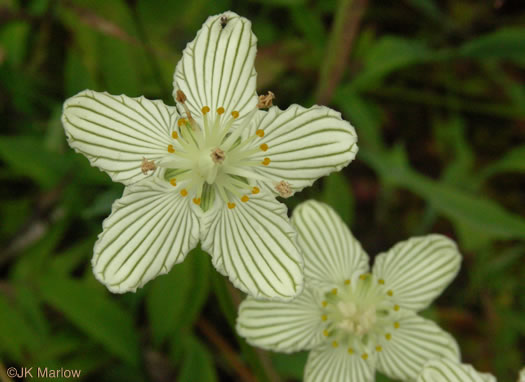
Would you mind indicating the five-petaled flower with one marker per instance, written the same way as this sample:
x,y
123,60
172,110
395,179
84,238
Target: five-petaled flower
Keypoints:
x,y
446,370
351,320
209,170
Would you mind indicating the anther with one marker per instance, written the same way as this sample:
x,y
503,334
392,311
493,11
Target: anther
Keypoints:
x,y
263,147
396,307
396,325
334,291
235,114
324,304
205,110
220,110
283,188
381,281
231,205
173,182
364,276
266,161
335,344
347,282
364,356
390,292
265,101
260,133
174,135
350,351
378,348
325,333
388,336
181,122
181,97
324,317
245,198
255,190
184,192
171,149
197,201
147,165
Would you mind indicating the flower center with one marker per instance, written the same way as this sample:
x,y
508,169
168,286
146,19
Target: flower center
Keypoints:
x,y
360,315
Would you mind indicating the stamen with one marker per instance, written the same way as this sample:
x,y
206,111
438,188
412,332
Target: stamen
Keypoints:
x,y
255,190
147,165
263,147
324,317
325,333
381,281
335,344
174,135
184,192
181,122
396,325
396,307
181,98
245,198
218,156
378,348
388,336
205,110
266,161
231,205
260,133
347,282
350,351
364,276
173,182
390,293
265,101
283,188
197,201
235,114
364,356
220,110
324,303
171,149
334,291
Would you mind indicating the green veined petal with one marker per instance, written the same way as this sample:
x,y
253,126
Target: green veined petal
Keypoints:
x,y
445,370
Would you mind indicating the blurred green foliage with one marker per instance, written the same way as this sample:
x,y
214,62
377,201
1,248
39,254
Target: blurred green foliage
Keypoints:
x,y
434,89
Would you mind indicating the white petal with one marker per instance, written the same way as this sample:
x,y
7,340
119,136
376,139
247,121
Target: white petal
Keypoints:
x,y
416,341
282,326
216,69
444,370
331,253
254,245
417,270
327,363
304,144
150,229
116,132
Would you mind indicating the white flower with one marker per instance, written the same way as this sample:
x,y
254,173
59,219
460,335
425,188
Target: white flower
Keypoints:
x,y
352,321
445,370
210,173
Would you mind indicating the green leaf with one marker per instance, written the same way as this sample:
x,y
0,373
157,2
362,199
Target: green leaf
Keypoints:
x,y
95,314
197,365
175,300
512,161
337,192
290,365
505,43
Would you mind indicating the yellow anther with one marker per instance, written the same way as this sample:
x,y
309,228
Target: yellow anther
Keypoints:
x,y
396,307
197,201
266,161
173,182
388,336
381,281
364,276
334,291
335,344
390,293
205,110
347,282
350,351
324,317
263,147
245,198
174,135
325,333
184,192
378,348
171,149
181,97
364,356
181,122
231,205
396,325
235,114
260,133
220,110
324,303
255,190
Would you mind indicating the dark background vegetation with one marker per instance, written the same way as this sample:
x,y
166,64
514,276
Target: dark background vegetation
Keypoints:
x,y
434,89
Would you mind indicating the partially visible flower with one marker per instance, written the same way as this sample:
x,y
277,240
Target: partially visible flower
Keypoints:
x,y
445,370
521,377
352,321
209,170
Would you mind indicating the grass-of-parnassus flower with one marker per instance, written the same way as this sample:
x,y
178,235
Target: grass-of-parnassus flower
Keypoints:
x,y
446,370
354,321
209,169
